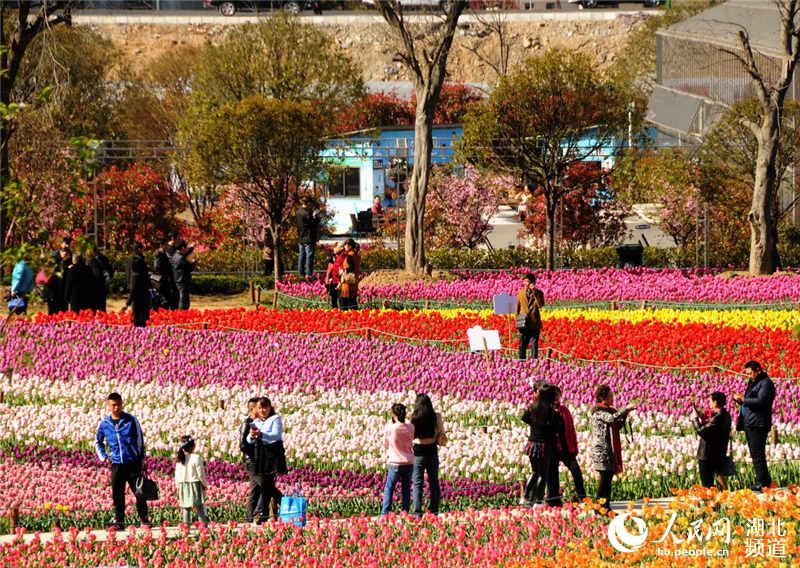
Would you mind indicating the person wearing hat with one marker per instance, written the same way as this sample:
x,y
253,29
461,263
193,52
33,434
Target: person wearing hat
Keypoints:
x,y
190,478
138,286
332,273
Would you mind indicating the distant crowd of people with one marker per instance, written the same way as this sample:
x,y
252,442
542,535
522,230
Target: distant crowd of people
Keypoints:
x,y
68,280
81,280
412,450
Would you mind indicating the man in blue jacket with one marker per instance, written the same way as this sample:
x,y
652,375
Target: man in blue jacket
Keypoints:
x,y
755,419
120,441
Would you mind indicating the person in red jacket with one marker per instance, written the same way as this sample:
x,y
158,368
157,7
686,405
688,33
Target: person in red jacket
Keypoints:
x,y
566,453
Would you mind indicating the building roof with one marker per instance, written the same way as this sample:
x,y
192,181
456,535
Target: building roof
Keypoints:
x,y
721,25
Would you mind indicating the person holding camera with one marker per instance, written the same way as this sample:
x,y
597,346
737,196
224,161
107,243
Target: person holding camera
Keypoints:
x,y
755,419
119,440
606,424
269,457
529,321
714,429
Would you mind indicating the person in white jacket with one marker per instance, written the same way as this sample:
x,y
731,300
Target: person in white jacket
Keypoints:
x,y
190,478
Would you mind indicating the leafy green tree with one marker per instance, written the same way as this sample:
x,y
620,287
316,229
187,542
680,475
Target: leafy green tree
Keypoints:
x,y
278,59
63,84
153,102
547,115
264,149
21,21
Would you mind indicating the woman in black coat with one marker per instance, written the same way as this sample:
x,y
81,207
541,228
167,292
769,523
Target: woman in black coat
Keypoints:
x,y
79,286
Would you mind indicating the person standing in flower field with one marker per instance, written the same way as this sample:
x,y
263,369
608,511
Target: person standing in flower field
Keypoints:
x,y
755,419
255,501
332,273
606,422
398,440
529,320
541,448
266,437
190,478
120,441
429,434
566,452
714,429
349,275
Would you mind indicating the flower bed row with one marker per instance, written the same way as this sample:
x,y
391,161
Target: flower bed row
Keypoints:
x,y
334,395
49,485
276,320
662,285
658,342
178,359
573,536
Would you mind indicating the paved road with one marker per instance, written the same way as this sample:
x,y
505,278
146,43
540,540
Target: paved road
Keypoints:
x,y
194,8
210,15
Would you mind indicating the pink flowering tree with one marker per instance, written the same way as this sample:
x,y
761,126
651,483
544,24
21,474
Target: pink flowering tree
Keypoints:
x,y
461,206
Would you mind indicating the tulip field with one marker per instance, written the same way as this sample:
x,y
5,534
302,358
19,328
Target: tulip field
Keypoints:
x,y
606,284
333,377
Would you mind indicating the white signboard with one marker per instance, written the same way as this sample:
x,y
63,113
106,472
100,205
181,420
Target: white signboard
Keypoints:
x,y
483,339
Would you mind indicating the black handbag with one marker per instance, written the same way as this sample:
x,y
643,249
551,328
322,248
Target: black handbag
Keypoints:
x,y
145,488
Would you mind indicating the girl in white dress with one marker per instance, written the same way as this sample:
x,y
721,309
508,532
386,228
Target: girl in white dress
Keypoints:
x,y
190,477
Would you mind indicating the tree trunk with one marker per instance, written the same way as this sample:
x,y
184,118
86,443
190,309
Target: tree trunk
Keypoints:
x,y
276,257
763,224
550,225
418,186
